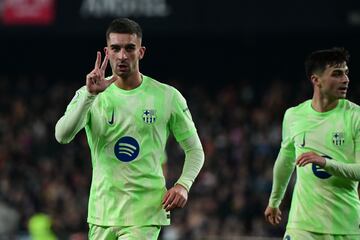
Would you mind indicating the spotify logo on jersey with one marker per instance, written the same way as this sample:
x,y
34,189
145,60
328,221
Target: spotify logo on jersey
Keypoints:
x,y
320,172
126,149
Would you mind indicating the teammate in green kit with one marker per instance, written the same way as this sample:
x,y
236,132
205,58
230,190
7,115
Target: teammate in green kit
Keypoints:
x,y
128,118
321,137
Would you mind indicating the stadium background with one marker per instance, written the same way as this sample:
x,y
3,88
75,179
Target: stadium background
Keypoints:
x,y
238,63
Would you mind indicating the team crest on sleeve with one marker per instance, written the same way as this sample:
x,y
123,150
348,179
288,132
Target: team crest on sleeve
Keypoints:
x,y
338,138
149,116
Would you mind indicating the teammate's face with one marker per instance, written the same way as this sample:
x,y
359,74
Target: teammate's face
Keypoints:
x,y
124,51
333,82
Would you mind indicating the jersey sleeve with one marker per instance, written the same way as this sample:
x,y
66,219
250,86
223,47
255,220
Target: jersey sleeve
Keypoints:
x,y
75,117
181,123
284,164
194,160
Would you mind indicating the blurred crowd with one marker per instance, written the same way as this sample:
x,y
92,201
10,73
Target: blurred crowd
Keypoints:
x,y
45,185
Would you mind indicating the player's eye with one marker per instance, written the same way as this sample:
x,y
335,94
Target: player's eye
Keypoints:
x,y
115,48
130,48
337,73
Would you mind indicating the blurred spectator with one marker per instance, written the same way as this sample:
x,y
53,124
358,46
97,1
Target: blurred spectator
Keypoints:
x,y
40,227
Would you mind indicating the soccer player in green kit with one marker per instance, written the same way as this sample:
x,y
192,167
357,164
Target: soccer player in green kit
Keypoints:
x,y
321,137
128,118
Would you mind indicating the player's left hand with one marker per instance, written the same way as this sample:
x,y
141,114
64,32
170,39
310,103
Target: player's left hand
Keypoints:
x,y
175,197
310,157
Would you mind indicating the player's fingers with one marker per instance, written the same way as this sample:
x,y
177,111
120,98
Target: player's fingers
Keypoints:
x,y
271,219
167,194
306,161
104,64
183,203
278,219
176,201
267,217
98,60
169,200
91,78
170,206
301,161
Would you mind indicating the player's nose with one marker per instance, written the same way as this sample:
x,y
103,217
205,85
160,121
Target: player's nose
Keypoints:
x,y
122,54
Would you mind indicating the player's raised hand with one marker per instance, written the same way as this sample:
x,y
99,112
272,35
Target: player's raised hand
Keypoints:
x,y
310,157
95,80
175,197
272,215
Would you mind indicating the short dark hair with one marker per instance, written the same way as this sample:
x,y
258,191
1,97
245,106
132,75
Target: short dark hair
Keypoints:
x,y
124,25
317,61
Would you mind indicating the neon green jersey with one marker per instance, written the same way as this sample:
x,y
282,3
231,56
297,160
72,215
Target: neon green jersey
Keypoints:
x,y
322,202
127,131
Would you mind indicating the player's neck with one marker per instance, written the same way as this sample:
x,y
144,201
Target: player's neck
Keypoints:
x,y
130,82
323,104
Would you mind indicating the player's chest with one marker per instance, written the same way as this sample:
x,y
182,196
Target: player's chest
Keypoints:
x,y
141,115
323,134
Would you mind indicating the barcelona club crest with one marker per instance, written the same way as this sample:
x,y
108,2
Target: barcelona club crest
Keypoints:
x,y
149,116
338,138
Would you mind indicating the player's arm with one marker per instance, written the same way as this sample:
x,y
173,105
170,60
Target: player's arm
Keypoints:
x,y
75,116
183,128
345,170
76,113
194,160
282,171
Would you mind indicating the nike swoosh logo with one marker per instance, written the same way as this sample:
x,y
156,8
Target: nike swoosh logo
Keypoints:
x,y
303,141
112,118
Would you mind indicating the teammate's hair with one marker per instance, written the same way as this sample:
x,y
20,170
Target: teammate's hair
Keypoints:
x,y
317,61
124,25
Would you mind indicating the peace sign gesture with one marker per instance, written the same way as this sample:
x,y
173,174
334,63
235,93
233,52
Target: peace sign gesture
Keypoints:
x,y
95,80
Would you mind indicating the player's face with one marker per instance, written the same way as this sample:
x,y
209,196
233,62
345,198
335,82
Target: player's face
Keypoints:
x,y
333,83
124,51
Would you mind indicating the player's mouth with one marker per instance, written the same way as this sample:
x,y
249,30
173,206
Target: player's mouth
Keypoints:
x,y
343,89
122,67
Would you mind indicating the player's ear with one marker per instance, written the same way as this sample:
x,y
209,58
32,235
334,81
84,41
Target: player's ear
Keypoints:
x,y
142,52
315,79
106,50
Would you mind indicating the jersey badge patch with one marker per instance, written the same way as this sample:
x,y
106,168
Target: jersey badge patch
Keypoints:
x,y
149,116
338,138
